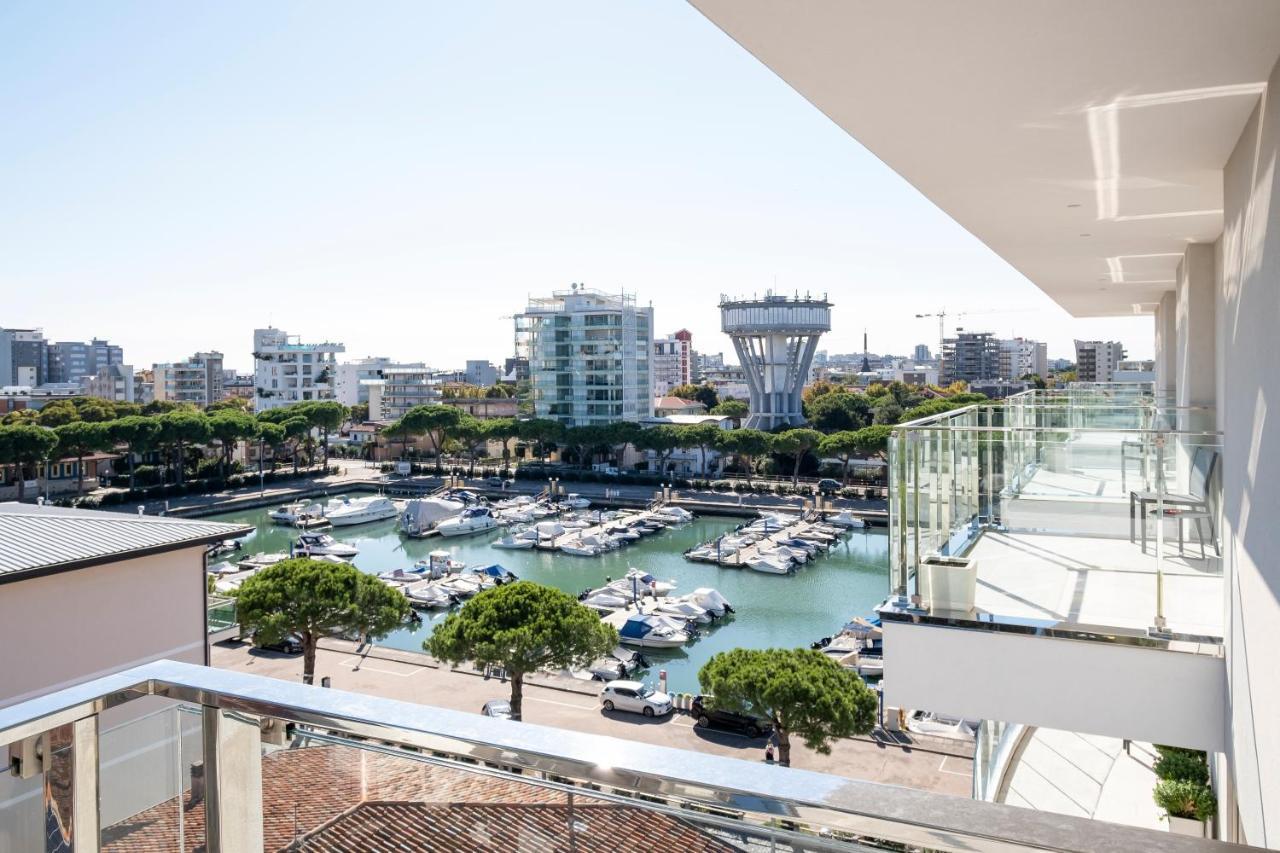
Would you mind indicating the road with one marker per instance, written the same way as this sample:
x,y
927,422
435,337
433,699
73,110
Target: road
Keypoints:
x,y
939,766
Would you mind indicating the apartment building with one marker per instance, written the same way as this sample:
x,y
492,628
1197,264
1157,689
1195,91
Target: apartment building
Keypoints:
x,y
589,356
196,380
672,362
1019,357
400,389
111,382
480,372
286,370
353,378
1069,167
1097,361
71,361
237,385
969,357
24,357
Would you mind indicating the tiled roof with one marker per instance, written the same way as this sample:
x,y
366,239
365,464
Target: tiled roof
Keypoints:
x,y
45,537
506,826
329,798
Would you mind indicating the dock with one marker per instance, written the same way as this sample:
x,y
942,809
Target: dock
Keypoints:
x,y
806,523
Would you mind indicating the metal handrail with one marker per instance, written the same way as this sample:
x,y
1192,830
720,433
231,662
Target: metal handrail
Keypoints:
x,y
760,791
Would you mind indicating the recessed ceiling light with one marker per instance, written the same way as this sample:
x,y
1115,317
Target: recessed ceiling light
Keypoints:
x,y
1074,204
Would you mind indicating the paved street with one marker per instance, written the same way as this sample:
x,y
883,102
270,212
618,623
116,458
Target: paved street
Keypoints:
x,y
940,766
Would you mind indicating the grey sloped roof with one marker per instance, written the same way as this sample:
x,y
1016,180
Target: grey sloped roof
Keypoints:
x,y
44,538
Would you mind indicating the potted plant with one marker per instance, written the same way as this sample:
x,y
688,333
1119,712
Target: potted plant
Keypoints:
x,y
1189,805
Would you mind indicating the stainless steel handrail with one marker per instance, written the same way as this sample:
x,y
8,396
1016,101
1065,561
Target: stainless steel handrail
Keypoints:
x,y
764,792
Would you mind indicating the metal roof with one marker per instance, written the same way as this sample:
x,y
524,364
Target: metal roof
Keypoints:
x,y
41,539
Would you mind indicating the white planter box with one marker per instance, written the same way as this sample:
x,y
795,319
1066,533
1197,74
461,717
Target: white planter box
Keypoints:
x,y
1189,826
949,583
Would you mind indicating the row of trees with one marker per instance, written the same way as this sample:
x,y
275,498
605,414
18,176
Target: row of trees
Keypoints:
x,y
80,427
447,428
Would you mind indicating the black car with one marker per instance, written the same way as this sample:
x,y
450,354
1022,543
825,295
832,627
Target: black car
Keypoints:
x,y
290,644
713,718
829,486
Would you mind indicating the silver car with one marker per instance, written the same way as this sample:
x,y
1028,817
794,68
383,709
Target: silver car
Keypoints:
x,y
635,697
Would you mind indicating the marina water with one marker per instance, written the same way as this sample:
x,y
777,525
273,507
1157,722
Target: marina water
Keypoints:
x,y
772,610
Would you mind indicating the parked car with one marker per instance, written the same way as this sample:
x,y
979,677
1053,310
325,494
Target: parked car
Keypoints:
x,y
828,486
290,644
494,482
499,708
635,697
714,718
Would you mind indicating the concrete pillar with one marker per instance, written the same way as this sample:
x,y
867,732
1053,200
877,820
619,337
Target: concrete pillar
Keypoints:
x,y
1166,344
1196,375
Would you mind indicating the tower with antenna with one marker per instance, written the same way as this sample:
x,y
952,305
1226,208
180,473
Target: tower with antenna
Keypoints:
x,y
775,337
866,362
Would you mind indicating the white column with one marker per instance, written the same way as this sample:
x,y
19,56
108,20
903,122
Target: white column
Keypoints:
x,y
1195,377
1166,343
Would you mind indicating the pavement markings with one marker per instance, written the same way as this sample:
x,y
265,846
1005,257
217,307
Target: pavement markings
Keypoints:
x,y
362,664
942,767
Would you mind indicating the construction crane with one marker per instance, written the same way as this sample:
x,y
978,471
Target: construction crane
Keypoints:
x,y
943,314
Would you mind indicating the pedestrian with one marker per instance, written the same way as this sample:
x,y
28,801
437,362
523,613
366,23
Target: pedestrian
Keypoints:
x,y
768,752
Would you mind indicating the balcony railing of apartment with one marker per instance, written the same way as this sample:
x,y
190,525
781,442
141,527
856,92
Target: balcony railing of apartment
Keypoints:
x,y
181,757
1094,510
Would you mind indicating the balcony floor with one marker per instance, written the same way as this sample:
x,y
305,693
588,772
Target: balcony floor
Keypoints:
x,y
1100,581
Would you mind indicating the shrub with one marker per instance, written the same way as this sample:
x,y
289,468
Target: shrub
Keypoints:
x,y
1182,765
1181,798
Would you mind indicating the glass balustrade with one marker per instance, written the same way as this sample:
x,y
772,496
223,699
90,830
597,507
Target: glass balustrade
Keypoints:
x,y
177,757
1097,513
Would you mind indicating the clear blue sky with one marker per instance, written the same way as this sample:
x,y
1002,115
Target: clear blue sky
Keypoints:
x,y
401,176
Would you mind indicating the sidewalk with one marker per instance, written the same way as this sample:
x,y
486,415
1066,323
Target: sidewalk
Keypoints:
x,y
942,767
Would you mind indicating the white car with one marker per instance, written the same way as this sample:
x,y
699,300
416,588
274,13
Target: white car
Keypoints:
x,y
635,697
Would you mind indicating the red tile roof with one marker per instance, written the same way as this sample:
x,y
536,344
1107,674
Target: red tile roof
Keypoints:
x,y
543,828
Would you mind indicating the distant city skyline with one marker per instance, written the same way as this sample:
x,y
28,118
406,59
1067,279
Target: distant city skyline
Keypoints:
x,y
402,182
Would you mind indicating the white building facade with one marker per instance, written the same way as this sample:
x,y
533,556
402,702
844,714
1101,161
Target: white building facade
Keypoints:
x,y
197,380
589,356
1019,356
1097,361
288,371
672,362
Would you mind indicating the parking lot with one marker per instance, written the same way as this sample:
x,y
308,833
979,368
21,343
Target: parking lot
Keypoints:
x,y
932,764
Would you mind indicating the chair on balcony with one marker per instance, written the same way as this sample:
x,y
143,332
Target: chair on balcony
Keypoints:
x,y
1194,506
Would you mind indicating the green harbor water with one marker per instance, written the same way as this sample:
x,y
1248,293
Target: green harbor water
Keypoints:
x,y
772,610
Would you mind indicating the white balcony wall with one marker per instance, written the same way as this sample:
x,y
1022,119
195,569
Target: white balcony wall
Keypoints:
x,y
1101,688
1247,313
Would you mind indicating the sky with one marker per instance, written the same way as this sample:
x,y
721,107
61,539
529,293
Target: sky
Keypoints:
x,y
402,176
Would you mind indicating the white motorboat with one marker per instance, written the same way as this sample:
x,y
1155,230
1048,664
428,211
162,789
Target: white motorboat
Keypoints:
x,y
421,515
619,663
652,631
678,608
343,512
260,561
579,547
769,564
622,531
678,515
402,576
295,512
576,501
428,594
644,583
493,575
317,544
438,564
605,599
461,586
709,600
476,519
518,541
549,531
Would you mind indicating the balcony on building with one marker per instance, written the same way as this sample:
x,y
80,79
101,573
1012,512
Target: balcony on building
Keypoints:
x,y
1071,538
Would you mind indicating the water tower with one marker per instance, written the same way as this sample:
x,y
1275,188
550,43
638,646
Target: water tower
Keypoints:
x,y
776,337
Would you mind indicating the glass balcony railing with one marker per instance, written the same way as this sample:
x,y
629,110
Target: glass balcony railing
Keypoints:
x,y
172,756
1100,513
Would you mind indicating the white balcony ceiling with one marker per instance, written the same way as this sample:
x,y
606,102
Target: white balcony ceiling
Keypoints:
x,y
1033,122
